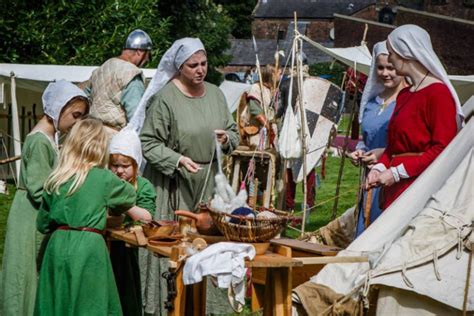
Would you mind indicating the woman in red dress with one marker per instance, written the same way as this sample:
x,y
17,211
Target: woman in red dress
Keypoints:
x,y
426,117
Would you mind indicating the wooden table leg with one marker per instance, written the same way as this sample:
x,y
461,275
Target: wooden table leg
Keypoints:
x,y
199,298
180,299
282,291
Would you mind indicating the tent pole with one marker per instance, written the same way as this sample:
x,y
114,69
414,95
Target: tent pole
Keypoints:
x,y
15,124
299,70
344,148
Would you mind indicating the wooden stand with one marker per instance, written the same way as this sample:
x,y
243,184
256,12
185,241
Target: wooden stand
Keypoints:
x,y
265,170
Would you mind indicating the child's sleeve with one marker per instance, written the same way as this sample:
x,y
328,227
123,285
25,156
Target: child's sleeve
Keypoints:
x,y
121,196
43,221
146,196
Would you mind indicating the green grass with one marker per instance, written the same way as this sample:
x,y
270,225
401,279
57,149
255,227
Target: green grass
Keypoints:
x,y
5,203
322,214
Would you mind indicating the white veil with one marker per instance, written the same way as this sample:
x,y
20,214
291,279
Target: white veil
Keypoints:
x,y
169,65
373,86
412,42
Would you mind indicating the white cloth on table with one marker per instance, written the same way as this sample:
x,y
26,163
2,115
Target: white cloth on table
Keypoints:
x,y
225,261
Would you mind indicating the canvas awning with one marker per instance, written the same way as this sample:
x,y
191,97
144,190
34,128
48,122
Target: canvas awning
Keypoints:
x,y
37,77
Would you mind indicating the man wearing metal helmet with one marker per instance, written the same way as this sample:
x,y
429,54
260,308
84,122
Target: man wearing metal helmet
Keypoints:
x,y
117,86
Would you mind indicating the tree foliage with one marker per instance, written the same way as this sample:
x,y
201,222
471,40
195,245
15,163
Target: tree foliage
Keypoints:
x,y
88,32
241,14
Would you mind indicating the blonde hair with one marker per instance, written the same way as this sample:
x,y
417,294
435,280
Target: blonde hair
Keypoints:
x,y
85,147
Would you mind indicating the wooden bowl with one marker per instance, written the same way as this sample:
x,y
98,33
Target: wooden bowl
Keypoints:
x,y
159,228
260,247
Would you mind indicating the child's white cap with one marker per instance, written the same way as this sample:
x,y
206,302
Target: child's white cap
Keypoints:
x,y
127,143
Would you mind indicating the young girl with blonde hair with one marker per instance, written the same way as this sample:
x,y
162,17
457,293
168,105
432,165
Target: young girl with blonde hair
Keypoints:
x,y
63,105
76,276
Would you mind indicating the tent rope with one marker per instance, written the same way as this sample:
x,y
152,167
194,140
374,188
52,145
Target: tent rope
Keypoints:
x,y
468,277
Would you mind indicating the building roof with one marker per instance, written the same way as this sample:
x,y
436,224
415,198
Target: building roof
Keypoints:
x,y
243,53
308,9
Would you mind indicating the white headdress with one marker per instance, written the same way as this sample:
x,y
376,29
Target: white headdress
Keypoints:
x,y
55,97
169,65
127,143
373,86
412,42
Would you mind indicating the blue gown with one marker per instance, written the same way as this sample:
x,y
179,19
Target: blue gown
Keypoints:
x,y
374,134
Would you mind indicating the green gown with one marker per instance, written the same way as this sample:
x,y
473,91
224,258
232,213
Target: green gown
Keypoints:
x,y
76,276
22,242
178,125
125,259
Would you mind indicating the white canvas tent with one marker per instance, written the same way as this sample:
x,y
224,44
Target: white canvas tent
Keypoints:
x,y
22,84
416,245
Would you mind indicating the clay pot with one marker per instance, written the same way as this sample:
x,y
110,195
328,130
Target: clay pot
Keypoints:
x,y
204,223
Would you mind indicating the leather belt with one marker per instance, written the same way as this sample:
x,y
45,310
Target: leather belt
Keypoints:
x,y
84,229
205,162
407,155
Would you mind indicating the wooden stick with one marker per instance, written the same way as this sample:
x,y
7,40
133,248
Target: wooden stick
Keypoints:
x,y
10,159
344,148
331,259
367,207
303,127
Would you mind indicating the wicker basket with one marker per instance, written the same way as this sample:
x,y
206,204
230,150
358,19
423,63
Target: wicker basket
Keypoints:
x,y
250,229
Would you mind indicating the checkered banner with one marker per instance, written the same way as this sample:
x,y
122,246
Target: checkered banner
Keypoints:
x,y
321,101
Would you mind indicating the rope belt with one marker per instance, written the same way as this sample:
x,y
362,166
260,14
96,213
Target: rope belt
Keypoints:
x,y
84,229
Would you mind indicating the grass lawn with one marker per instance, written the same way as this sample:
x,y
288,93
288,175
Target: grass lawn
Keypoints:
x,y
321,214
5,202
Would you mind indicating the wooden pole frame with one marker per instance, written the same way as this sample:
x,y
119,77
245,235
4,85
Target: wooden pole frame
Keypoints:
x,y
299,72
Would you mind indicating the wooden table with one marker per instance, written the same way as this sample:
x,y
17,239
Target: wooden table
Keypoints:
x,y
274,298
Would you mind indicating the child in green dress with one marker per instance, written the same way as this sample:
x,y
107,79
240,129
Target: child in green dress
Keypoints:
x,y
63,105
76,276
125,159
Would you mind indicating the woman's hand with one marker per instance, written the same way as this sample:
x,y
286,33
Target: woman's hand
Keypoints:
x,y
189,164
221,136
372,179
386,178
371,157
355,156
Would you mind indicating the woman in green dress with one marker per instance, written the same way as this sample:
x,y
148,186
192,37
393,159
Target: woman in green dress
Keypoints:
x,y
125,158
184,116
63,104
76,276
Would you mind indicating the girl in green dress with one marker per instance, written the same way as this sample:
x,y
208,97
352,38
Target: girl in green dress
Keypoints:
x,y
125,159
63,105
76,276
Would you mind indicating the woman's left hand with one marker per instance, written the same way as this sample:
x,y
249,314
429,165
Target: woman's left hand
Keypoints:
x,y
221,136
386,178
371,157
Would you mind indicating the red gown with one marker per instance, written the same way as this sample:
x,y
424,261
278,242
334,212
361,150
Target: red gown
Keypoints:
x,y
422,125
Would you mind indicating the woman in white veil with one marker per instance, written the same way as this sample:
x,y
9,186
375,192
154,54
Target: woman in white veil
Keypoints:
x,y
376,108
426,118
184,116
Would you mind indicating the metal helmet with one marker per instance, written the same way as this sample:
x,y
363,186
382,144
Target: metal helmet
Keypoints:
x,y
138,39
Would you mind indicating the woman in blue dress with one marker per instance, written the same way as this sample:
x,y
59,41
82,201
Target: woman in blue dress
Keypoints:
x,y
376,108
